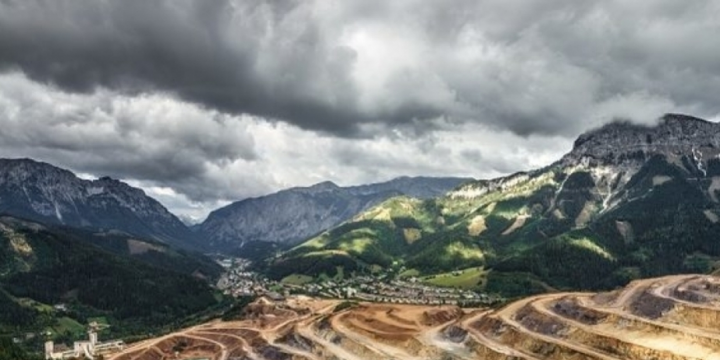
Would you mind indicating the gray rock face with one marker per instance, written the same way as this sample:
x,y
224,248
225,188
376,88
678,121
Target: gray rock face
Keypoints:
x,y
614,153
296,214
674,136
45,193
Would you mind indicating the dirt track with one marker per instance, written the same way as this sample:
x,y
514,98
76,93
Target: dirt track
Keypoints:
x,y
675,317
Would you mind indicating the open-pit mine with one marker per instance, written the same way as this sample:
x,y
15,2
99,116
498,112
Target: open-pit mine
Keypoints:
x,y
675,317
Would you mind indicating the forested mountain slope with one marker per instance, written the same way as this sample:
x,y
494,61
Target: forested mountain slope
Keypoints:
x,y
135,285
628,201
292,215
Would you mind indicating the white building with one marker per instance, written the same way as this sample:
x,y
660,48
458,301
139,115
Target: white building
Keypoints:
x,y
87,349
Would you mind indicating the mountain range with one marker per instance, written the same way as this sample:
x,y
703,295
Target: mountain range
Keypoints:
x,y
42,192
103,249
293,215
628,201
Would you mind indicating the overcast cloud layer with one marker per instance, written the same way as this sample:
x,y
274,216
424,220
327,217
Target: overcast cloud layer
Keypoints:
x,y
204,102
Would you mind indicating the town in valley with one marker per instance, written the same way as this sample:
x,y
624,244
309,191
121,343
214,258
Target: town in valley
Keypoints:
x,y
239,280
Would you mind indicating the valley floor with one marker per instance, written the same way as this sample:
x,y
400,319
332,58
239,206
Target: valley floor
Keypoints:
x,y
675,317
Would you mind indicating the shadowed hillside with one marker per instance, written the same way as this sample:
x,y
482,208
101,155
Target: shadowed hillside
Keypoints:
x,y
134,285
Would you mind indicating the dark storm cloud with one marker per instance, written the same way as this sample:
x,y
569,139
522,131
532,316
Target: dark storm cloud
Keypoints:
x,y
146,138
548,67
211,52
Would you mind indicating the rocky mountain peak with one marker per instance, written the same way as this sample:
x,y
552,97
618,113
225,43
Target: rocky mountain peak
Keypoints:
x,y
118,186
682,120
674,135
25,168
615,151
108,179
46,193
321,187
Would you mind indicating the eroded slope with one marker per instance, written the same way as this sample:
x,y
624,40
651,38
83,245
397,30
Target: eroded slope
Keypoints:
x,y
673,317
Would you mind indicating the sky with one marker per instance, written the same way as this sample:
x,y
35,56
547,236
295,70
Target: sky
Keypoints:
x,y
201,103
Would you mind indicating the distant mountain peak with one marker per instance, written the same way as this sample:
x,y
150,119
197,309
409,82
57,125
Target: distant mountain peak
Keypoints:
x,y
107,179
43,192
324,186
28,166
112,183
